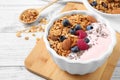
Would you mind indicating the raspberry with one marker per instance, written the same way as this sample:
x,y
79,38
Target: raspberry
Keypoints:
x,y
82,34
82,45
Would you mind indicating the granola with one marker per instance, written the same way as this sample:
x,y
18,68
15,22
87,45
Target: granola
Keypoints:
x,y
61,35
29,15
106,6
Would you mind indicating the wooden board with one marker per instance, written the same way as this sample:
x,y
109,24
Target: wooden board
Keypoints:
x,y
40,62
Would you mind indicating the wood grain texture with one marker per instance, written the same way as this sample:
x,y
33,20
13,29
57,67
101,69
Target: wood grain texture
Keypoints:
x,y
39,57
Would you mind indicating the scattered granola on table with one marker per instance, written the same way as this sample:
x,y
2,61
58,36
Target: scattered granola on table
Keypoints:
x,y
18,34
43,21
26,38
33,29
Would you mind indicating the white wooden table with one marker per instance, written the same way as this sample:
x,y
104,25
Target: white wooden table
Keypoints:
x,y
13,50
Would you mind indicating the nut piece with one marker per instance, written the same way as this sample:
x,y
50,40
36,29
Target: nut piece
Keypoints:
x,y
66,45
38,39
74,42
33,34
18,34
92,19
26,38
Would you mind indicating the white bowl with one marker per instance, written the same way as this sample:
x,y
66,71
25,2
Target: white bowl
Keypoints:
x,y
114,19
75,66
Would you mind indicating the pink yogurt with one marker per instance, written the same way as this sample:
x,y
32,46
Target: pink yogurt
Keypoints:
x,y
100,40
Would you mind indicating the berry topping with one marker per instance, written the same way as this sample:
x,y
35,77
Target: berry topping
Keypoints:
x,y
89,27
87,40
82,45
94,3
62,38
66,23
72,31
82,34
77,27
75,49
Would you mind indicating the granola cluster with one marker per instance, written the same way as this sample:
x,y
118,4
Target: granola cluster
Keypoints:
x,y
40,27
29,15
67,31
106,6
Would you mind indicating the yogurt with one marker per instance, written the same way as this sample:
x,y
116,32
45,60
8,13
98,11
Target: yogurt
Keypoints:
x,y
100,40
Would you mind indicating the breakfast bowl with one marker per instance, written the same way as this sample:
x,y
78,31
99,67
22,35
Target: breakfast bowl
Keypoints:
x,y
112,15
89,60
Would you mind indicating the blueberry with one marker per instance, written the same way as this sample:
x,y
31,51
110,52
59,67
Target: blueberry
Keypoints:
x,y
75,49
66,23
77,27
104,5
89,27
94,3
87,40
62,38
72,31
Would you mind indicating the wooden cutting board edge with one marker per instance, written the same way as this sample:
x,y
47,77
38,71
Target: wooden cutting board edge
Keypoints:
x,y
110,66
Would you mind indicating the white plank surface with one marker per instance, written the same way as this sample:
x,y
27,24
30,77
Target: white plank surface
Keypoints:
x,y
17,73
14,50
